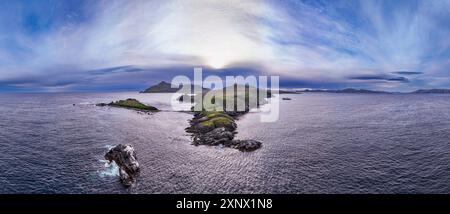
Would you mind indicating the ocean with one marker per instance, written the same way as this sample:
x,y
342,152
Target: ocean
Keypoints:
x,y
322,143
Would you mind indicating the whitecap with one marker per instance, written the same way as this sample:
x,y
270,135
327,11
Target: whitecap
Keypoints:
x,y
108,169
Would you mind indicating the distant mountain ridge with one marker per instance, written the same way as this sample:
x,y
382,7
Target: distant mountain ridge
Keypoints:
x,y
432,91
165,87
365,91
346,90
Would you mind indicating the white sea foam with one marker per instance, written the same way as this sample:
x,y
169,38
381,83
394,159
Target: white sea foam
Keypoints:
x,y
108,169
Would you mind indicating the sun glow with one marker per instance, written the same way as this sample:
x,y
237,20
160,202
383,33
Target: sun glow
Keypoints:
x,y
217,63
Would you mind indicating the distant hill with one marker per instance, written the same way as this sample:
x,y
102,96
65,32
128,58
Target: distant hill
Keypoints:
x,y
165,87
432,91
347,90
289,91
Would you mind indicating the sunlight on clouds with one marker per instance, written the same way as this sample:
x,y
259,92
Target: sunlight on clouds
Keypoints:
x,y
216,32
327,42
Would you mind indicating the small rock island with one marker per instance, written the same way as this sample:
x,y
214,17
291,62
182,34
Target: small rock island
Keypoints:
x,y
130,104
126,159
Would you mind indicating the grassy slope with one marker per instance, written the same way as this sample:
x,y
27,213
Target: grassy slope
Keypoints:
x,y
134,104
217,117
242,95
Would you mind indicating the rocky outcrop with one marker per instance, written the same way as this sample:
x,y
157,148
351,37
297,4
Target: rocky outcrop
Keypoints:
x,y
218,129
125,158
245,145
130,104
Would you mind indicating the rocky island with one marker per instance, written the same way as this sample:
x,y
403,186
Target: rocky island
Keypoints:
x,y
130,104
214,126
126,159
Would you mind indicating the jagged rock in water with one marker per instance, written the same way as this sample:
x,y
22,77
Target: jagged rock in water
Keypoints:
x,y
125,158
246,145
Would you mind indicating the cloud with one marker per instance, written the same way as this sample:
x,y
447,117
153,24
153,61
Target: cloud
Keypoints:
x,y
407,72
112,42
119,69
380,78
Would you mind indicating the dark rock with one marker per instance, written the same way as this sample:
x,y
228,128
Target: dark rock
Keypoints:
x,y
215,137
286,98
125,158
246,145
218,128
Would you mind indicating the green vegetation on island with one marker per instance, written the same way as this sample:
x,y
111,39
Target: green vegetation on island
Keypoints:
x,y
205,121
240,102
131,104
214,124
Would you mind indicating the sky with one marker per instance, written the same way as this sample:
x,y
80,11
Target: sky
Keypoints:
x,y
116,45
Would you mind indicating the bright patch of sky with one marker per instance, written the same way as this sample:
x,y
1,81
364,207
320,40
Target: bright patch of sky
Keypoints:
x,y
52,45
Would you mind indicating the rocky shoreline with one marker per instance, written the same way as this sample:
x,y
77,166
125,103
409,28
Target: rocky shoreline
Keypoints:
x,y
218,129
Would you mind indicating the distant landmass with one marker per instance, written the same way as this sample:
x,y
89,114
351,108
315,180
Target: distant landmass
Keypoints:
x,y
347,90
165,87
283,91
432,91
365,91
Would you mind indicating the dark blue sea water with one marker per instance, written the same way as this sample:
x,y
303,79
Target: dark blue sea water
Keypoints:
x,y
323,143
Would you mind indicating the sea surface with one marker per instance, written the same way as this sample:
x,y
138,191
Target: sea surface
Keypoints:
x,y
322,143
